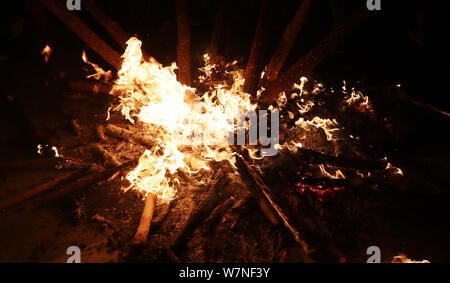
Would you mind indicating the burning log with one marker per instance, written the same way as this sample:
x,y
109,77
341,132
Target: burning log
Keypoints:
x,y
256,51
38,190
288,39
112,27
218,27
89,86
308,62
195,217
265,194
77,26
121,133
184,41
146,219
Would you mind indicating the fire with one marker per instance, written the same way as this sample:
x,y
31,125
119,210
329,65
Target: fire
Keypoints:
x,y
356,96
99,72
337,175
189,129
47,51
327,125
402,258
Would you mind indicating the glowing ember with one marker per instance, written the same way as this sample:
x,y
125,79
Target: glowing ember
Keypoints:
x,y
401,258
47,51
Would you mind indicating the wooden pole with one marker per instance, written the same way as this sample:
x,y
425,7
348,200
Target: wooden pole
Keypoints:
x,y
308,62
77,26
288,39
257,51
38,190
184,41
112,27
85,182
217,32
146,219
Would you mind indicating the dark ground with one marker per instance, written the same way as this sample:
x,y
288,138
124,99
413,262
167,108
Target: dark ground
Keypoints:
x,y
402,44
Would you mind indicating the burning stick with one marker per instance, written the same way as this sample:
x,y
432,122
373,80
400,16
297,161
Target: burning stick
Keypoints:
x,y
146,219
308,62
288,39
77,26
122,133
184,42
40,189
256,51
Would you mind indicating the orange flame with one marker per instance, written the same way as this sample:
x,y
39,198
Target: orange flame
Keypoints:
x,y
47,51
